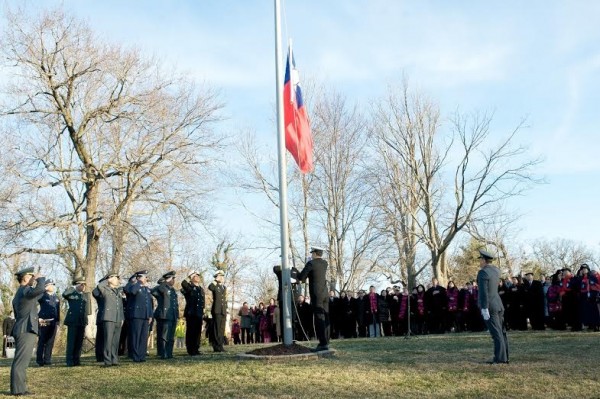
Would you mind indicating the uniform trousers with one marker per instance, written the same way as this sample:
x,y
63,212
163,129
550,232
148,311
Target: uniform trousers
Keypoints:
x,y
24,344
193,330
99,349
218,323
165,337
75,336
321,314
495,326
45,344
112,333
138,339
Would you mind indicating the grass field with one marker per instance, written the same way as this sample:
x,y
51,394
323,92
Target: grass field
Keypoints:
x,y
543,365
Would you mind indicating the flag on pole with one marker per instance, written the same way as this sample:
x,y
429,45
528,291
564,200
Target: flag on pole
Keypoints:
x,y
298,137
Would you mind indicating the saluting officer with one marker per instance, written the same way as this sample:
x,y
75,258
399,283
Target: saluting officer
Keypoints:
x,y
112,316
166,315
491,306
76,319
316,271
99,343
139,314
193,312
49,319
26,327
218,310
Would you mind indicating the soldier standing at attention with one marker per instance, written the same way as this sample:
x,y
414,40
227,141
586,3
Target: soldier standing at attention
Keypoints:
x,y
112,317
218,310
26,327
166,315
76,320
316,271
49,316
139,314
491,306
193,313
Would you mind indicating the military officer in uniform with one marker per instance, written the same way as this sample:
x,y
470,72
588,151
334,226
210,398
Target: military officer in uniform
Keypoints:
x,y
26,326
193,312
139,314
99,343
316,271
49,316
218,310
490,303
166,315
112,317
76,319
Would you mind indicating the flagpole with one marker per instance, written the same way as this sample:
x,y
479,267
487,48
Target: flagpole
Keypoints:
x,y
285,269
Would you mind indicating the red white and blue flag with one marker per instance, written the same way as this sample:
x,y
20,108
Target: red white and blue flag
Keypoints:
x,y
298,137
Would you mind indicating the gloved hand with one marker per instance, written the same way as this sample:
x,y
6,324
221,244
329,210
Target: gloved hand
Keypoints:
x,y
486,314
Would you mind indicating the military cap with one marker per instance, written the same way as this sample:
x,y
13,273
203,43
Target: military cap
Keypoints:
x,y
315,249
528,273
193,272
49,281
109,275
141,273
78,280
22,272
483,254
169,275
217,273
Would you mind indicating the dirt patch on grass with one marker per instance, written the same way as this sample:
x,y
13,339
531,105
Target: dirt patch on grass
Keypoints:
x,y
281,350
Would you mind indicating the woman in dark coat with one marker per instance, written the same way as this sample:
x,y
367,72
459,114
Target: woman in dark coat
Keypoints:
x,y
384,313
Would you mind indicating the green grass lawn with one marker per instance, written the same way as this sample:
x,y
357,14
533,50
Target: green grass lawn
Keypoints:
x,y
543,365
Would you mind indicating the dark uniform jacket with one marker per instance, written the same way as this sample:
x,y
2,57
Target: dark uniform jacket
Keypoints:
x,y
139,301
167,307
49,307
113,302
219,305
316,271
25,308
78,307
194,299
100,301
487,282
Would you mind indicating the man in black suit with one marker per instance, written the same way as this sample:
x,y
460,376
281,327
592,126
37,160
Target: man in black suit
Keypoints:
x,y
76,319
491,306
193,312
166,315
49,316
218,310
316,271
26,326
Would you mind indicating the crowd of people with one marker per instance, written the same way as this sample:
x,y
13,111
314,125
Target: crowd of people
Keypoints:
x,y
563,300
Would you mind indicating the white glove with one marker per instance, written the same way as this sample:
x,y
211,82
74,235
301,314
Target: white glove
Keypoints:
x,y
486,314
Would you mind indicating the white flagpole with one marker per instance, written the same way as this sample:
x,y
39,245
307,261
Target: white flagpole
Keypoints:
x,y
285,269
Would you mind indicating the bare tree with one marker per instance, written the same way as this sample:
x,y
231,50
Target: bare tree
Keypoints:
x,y
559,253
343,200
105,130
457,180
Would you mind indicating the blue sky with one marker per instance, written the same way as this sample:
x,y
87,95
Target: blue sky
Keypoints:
x,y
538,60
